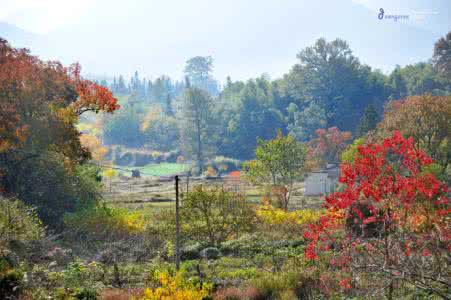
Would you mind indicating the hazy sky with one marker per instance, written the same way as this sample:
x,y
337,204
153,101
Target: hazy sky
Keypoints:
x,y
245,37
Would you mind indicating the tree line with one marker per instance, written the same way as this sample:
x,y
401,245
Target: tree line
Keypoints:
x,y
328,87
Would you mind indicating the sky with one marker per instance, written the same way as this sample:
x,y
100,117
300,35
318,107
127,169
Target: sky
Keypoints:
x,y
246,38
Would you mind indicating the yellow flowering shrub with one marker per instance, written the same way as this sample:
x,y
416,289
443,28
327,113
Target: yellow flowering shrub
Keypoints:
x,y
103,221
176,288
276,216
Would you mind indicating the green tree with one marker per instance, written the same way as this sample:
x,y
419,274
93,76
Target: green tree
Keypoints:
x,y
198,69
123,128
279,161
211,215
369,120
160,130
332,78
196,125
349,154
247,112
304,123
442,55
418,79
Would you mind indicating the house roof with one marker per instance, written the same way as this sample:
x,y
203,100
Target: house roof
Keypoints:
x,y
332,171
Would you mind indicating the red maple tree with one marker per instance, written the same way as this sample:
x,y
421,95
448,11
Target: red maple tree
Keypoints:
x,y
40,103
390,220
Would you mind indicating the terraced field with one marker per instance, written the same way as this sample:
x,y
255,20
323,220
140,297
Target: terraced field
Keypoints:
x,y
159,192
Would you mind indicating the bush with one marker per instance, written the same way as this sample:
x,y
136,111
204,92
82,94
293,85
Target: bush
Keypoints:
x,y
10,284
18,222
210,253
224,164
283,285
212,215
101,222
55,189
86,294
176,287
235,293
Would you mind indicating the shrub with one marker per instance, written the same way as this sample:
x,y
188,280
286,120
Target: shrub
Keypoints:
x,y
282,285
101,222
18,222
176,288
235,293
117,294
10,283
210,253
272,215
48,185
86,294
212,215
225,164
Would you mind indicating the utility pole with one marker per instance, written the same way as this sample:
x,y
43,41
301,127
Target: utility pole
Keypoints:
x,y
177,225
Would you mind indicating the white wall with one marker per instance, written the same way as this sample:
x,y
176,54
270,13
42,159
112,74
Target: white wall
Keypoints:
x,y
319,184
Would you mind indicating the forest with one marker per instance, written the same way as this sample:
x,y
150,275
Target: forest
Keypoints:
x,y
139,188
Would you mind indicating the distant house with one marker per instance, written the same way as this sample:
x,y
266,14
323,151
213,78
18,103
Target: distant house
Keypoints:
x,y
323,181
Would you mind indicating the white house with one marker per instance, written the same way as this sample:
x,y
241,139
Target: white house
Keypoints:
x,y
323,181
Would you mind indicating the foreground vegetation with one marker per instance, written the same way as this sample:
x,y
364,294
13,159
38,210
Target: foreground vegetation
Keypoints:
x,y
383,233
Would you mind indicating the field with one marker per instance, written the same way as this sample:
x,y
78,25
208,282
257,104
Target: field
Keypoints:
x,y
159,192
154,170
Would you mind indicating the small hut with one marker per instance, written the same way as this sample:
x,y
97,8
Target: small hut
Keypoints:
x,y
322,182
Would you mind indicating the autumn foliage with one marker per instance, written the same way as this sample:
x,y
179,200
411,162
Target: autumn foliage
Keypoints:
x,y
40,148
390,220
29,86
427,119
328,145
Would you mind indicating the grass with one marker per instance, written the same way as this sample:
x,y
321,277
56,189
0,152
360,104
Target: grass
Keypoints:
x,y
163,169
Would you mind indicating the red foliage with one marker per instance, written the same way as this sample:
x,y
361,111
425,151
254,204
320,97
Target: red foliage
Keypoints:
x,y
92,97
329,143
407,208
30,87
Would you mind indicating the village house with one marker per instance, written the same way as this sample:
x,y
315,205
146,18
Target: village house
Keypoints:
x,y
322,182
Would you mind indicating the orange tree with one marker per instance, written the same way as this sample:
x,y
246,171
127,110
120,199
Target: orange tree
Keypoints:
x,y
388,227
328,144
427,119
40,149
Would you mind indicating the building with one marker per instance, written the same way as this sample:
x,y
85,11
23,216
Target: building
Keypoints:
x,y
323,181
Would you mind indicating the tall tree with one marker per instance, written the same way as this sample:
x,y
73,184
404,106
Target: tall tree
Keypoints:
x,y
40,149
248,113
196,124
198,69
442,55
331,77
427,119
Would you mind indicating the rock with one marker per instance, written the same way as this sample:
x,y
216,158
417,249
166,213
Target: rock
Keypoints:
x,y
53,265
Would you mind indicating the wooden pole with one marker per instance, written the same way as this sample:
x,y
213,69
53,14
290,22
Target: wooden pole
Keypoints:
x,y
177,225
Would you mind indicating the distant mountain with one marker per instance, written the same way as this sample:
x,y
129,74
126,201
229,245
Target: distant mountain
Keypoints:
x,y
245,38
16,36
